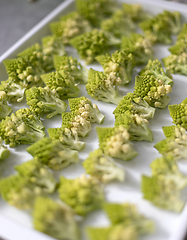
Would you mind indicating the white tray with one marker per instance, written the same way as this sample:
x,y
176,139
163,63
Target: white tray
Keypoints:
x,y
17,225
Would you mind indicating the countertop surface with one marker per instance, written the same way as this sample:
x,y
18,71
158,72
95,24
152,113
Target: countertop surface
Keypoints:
x,y
17,17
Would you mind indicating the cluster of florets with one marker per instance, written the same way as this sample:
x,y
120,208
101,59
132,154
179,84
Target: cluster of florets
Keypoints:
x,y
84,194
33,179
139,46
70,26
115,142
103,87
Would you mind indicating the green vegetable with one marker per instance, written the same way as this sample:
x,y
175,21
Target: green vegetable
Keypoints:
x,y
72,66
44,100
91,44
83,194
70,26
55,219
61,82
115,142
52,45
83,106
5,110
103,167
119,65
53,153
136,126
66,137
139,46
103,87
22,127
154,91
135,105
4,152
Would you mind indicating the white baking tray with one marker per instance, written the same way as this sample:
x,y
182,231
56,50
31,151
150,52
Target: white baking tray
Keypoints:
x,y
17,225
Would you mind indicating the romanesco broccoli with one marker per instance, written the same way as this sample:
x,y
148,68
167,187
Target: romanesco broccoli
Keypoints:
x,y
96,10
139,46
76,124
91,44
53,153
103,167
70,26
84,194
115,142
178,112
4,152
176,64
62,82
55,219
154,67
118,65
83,106
103,87
135,105
154,91
44,100
66,137
52,45
119,24
135,125
72,66
22,127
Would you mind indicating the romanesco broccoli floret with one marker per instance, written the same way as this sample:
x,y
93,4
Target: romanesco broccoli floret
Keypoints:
x,y
21,73
53,153
4,152
136,126
18,191
103,87
84,194
66,137
14,92
135,105
182,34
96,10
119,24
103,167
62,82
38,175
139,46
160,27
115,142
176,64
5,109
118,65
117,232
91,44
70,26
163,188
180,47
37,59
52,45
175,144
178,112
83,106
55,219
71,65
76,124
44,100
22,127
21,190
154,67
135,12
128,215
154,91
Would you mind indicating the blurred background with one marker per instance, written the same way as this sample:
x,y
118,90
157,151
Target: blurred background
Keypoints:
x,y
18,17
